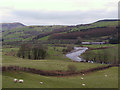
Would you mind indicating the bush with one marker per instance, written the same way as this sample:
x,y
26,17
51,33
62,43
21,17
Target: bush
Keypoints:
x,y
71,68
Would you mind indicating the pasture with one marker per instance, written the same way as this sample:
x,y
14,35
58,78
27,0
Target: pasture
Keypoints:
x,y
92,80
108,55
56,60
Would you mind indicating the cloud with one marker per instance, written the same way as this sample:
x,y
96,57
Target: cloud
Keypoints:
x,y
68,12
70,17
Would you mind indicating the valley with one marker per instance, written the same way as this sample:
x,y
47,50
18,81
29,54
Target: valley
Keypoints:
x,y
51,48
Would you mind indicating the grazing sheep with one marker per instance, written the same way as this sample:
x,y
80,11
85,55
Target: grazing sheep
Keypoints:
x,y
105,75
41,82
82,78
88,61
83,84
92,62
15,80
21,81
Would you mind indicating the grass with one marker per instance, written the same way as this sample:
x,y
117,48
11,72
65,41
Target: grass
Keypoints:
x,y
55,53
96,24
27,33
92,80
44,38
45,64
105,55
102,45
56,61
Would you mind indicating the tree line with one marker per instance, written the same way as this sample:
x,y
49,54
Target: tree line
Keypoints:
x,y
29,51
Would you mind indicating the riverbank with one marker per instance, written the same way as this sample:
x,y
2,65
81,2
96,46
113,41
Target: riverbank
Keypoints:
x,y
102,54
74,55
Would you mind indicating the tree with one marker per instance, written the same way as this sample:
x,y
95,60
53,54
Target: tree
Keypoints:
x,y
79,40
32,51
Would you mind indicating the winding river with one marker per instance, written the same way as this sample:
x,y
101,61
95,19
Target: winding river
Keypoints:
x,y
74,55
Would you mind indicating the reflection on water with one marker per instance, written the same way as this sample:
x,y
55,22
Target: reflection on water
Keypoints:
x,y
76,53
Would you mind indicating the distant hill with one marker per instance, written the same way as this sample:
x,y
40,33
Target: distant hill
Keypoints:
x,y
100,30
9,26
108,20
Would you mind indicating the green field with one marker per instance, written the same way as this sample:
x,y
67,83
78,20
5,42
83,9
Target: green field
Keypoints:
x,y
102,45
92,80
56,60
96,24
27,33
45,64
108,55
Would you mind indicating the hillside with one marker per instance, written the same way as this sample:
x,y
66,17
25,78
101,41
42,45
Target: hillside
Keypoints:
x,y
27,33
9,26
47,34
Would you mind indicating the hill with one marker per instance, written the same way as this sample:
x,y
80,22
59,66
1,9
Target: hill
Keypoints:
x,y
27,33
9,26
51,33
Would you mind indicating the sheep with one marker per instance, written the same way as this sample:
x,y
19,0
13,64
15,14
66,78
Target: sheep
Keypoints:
x,y
105,75
41,82
88,61
83,74
83,84
21,81
15,80
92,62
82,78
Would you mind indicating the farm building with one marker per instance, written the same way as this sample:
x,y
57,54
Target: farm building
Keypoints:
x,y
86,43
93,42
97,42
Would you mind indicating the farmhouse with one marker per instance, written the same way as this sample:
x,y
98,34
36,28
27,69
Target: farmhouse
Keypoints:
x,y
93,42
86,43
97,42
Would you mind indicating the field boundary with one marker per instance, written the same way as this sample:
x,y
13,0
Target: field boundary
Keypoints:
x,y
56,72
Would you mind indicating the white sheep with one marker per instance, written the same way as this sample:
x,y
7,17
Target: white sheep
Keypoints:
x,y
83,84
88,61
105,75
92,62
82,78
41,82
15,80
21,81
83,74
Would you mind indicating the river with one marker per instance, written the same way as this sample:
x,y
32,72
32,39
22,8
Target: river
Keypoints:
x,y
74,55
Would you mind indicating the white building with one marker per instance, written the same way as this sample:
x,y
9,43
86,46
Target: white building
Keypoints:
x,y
87,43
97,42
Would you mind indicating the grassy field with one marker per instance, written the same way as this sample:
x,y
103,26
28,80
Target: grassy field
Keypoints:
x,y
96,24
92,80
44,38
56,61
27,33
102,45
45,64
108,55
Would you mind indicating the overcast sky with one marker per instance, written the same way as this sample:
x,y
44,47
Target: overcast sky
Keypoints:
x,y
54,12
